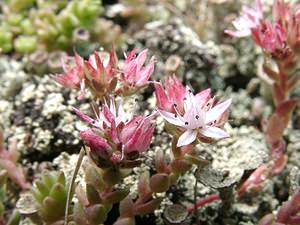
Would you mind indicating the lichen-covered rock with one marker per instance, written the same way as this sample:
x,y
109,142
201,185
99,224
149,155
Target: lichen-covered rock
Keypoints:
x,y
245,150
40,118
293,147
12,77
237,61
244,109
175,38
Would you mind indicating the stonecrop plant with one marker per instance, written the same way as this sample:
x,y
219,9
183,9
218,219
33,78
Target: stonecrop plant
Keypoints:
x,y
116,139
279,38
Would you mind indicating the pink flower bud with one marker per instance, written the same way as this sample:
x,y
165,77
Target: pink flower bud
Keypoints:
x,y
134,73
73,76
172,96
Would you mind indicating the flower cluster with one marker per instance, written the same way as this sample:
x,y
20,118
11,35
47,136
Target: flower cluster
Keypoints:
x,y
279,36
194,115
102,75
114,137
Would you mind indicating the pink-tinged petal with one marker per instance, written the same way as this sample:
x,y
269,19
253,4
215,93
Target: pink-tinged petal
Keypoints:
x,y
108,114
84,117
202,98
171,118
194,118
129,128
121,113
129,56
82,90
141,58
175,89
70,80
114,133
145,73
216,112
204,94
188,137
140,139
162,100
90,71
214,132
144,143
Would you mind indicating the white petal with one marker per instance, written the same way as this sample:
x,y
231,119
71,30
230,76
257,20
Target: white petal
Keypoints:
x,y
187,138
215,112
171,118
190,101
214,132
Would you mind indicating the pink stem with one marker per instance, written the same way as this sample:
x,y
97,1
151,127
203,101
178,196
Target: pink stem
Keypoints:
x,y
204,201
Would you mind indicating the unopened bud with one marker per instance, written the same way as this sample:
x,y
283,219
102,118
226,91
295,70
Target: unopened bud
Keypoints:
x,y
160,182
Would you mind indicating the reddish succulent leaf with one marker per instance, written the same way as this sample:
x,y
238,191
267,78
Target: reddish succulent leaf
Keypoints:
x,y
293,82
80,194
279,164
143,186
278,94
255,179
294,220
284,212
286,108
160,182
296,201
275,128
148,207
126,207
14,173
267,220
160,163
271,73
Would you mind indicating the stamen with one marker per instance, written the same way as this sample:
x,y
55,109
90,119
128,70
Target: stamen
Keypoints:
x,y
186,123
197,117
122,152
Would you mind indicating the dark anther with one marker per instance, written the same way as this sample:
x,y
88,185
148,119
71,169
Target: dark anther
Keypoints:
x,y
197,117
186,123
190,91
175,105
175,115
184,99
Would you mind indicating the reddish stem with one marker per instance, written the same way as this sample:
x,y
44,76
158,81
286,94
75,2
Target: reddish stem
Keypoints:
x,y
204,201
